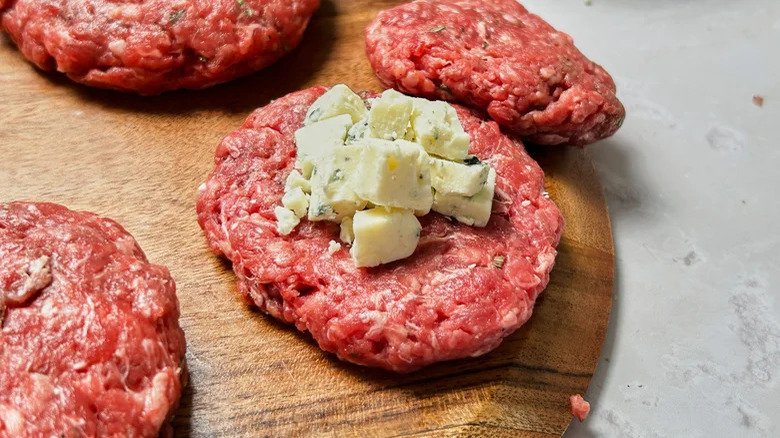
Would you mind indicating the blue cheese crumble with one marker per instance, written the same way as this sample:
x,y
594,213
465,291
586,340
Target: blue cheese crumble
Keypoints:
x,y
375,169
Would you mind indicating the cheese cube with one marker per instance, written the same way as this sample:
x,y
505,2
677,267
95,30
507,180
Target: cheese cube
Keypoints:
x,y
307,166
347,235
286,221
332,193
389,116
471,210
360,130
319,139
295,179
449,177
437,128
383,236
335,102
297,201
394,174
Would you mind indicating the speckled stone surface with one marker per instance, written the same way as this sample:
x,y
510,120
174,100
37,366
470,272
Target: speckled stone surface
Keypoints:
x,y
692,182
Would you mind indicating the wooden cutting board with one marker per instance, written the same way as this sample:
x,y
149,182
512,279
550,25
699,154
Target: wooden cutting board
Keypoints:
x,y
139,160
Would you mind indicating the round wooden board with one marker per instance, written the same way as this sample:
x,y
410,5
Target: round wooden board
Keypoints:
x,y
139,160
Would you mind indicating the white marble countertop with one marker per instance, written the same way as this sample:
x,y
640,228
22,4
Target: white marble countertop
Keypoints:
x,y
692,182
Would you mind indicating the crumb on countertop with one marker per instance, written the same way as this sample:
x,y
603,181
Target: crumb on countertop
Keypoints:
x,y
758,100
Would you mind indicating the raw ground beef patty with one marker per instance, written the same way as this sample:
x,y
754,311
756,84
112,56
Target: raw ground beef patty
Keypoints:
x,y
461,292
496,56
150,46
90,342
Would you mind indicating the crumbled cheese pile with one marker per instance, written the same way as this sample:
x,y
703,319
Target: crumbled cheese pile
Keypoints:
x,y
374,171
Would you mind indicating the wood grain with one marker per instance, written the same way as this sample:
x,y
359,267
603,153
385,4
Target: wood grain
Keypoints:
x,y
140,160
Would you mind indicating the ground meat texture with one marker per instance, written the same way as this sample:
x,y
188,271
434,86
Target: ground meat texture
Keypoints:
x,y
90,342
496,56
579,407
461,292
150,46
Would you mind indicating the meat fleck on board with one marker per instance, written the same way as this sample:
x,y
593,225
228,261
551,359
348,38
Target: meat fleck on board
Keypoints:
x,y
139,160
